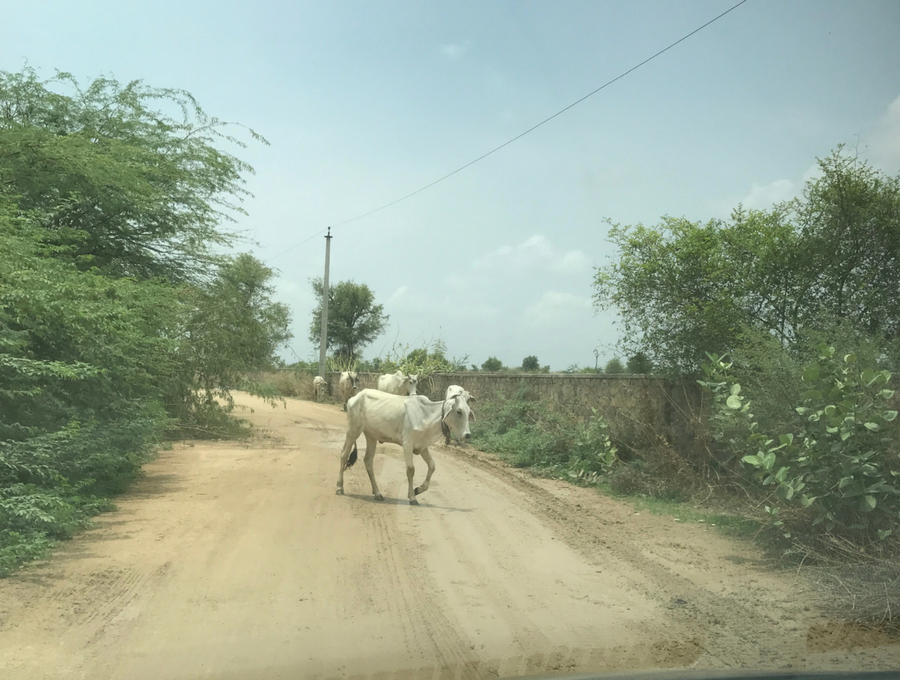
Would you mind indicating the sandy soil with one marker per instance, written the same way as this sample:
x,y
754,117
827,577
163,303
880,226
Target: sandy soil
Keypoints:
x,y
239,562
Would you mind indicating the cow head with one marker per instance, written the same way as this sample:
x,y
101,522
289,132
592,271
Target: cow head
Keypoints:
x,y
413,382
354,380
455,390
458,416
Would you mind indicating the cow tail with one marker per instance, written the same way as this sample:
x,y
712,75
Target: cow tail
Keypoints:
x,y
354,454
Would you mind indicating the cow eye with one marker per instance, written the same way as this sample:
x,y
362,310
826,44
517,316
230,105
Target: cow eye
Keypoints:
x,y
459,411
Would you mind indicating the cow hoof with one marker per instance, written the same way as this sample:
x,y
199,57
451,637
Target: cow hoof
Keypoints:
x,y
379,497
414,502
339,492
417,490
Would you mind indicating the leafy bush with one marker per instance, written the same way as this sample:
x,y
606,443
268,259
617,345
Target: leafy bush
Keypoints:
x,y
528,433
840,466
120,316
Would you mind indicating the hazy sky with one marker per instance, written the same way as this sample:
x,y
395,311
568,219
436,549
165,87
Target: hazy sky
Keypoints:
x,y
364,102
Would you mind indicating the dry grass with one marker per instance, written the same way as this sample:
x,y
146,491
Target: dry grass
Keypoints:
x,y
852,583
289,383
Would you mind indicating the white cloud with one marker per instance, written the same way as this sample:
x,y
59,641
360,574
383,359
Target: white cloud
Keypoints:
x,y
535,254
555,308
766,195
454,51
885,139
397,294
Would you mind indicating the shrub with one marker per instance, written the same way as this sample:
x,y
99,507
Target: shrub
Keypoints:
x,y
840,466
529,433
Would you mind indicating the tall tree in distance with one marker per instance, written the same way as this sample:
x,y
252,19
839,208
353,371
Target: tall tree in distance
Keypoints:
x,y
492,364
530,363
639,363
354,320
614,365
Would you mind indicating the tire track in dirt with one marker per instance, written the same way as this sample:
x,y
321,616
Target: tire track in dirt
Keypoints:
x,y
720,625
425,625
238,562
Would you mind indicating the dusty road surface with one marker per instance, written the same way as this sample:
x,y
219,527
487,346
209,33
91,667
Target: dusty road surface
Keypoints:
x,y
240,562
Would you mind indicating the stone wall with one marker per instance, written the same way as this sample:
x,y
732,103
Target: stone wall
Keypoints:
x,y
638,408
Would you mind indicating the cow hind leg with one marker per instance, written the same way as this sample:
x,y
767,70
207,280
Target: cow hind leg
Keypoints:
x,y
410,473
429,461
348,458
369,460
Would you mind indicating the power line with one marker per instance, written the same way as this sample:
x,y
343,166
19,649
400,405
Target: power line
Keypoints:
x,y
520,135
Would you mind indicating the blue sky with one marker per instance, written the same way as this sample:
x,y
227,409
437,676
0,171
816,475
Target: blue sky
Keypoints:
x,y
364,102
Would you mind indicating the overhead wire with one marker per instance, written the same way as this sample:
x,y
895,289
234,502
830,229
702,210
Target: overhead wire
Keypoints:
x,y
517,137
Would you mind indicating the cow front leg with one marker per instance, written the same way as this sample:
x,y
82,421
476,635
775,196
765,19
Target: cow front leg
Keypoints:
x,y
426,456
371,443
410,473
348,458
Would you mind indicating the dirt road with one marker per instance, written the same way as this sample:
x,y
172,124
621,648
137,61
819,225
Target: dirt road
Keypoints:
x,y
239,562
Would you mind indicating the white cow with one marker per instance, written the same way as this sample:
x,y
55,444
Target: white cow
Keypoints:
x,y
415,423
319,386
397,383
347,386
453,391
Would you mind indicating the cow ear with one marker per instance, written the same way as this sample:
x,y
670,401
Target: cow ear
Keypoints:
x,y
471,416
473,398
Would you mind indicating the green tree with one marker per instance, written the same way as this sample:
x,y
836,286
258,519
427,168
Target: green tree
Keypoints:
x,y
530,363
492,364
234,327
848,222
126,187
614,365
119,310
639,363
684,289
354,320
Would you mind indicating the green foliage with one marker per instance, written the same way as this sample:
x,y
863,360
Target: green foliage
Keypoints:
x,y
492,364
530,363
528,433
232,328
422,361
639,363
685,288
614,365
354,320
126,187
841,465
81,381
120,318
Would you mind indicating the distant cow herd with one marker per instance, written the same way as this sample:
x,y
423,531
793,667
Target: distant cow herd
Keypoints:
x,y
395,414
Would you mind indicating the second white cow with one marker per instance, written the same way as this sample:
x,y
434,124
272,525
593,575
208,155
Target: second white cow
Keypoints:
x,y
398,383
319,386
415,423
347,386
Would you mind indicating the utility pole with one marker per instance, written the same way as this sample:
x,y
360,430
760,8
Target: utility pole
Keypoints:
x,y
323,339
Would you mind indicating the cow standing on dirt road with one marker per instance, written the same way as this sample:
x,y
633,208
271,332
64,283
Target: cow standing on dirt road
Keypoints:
x,y
347,386
415,423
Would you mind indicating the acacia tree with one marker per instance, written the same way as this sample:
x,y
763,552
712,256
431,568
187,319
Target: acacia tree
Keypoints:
x,y
354,320
123,185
